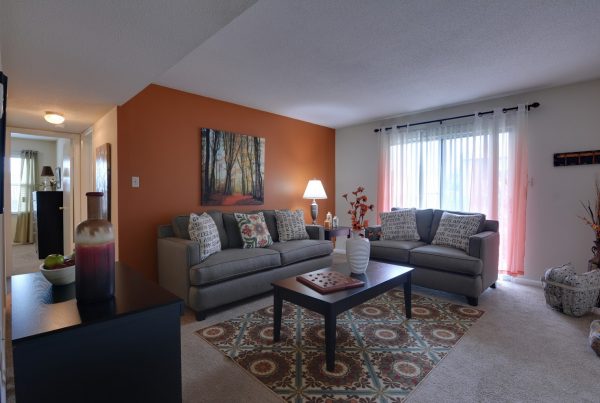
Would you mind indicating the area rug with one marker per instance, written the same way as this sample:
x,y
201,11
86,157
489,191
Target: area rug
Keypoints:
x,y
380,356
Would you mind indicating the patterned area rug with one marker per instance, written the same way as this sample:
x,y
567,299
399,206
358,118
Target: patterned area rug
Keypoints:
x,y
380,356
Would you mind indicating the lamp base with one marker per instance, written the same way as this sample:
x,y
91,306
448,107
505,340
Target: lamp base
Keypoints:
x,y
314,211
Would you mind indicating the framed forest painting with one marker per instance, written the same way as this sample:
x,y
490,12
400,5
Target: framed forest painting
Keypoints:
x,y
233,169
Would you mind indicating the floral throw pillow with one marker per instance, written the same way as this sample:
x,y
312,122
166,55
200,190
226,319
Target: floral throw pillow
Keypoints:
x,y
290,225
455,229
253,229
202,229
400,225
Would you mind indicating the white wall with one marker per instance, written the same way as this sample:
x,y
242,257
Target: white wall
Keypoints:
x,y
567,120
105,131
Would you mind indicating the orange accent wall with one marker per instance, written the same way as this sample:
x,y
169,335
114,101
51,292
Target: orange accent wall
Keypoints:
x,y
159,141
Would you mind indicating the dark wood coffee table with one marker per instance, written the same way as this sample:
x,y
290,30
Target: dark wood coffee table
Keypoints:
x,y
379,278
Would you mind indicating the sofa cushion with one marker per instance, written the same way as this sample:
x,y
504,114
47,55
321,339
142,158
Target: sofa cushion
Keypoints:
x,y
271,221
396,251
232,263
290,225
446,258
304,249
455,229
232,230
203,230
399,225
437,216
181,223
424,218
253,230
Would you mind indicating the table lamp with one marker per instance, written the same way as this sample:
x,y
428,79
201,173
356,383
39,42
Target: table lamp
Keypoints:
x,y
314,190
46,173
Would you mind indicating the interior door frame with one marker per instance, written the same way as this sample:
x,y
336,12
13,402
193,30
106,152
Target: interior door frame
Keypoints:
x,y
75,185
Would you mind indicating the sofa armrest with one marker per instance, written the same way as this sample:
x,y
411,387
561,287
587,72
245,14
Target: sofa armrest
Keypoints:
x,y
315,231
486,246
373,232
175,257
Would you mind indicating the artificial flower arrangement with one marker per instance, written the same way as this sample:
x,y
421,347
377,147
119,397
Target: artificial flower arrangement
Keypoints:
x,y
358,209
594,218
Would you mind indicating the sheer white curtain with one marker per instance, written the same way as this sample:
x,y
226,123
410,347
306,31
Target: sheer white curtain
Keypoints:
x,y
475,164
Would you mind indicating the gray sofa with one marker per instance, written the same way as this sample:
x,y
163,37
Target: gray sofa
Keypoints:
x,y
442,267
233,273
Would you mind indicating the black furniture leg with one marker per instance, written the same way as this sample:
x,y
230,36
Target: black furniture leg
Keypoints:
x,y
408,296
277,308
330,322
474,301
200,315
493,285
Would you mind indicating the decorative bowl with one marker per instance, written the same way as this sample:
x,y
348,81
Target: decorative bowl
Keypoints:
x,y
61,276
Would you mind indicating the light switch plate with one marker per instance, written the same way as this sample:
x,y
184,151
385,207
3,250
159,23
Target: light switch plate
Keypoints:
x,y
135,181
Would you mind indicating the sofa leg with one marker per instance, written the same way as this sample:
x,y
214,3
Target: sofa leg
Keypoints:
x,y
493,285
474,301
200,315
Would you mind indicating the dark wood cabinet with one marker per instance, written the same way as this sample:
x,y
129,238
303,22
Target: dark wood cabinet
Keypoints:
x,y
48,222
126,349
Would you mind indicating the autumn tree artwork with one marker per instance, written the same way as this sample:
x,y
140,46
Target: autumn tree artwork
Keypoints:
x,y
233,169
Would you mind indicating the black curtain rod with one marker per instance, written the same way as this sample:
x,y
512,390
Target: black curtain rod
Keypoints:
x,y
514,108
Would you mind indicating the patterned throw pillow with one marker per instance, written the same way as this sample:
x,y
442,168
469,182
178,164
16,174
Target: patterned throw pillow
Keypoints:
x,y
203,230
253,229
400,225
290,225
455,229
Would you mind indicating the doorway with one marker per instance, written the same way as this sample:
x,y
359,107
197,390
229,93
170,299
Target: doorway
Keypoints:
x,y
41,164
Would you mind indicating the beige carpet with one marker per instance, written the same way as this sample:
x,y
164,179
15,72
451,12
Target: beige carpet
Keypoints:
x,y
25,260
519,351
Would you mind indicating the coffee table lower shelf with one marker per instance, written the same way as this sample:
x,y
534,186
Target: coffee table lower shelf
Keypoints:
x,y
379,278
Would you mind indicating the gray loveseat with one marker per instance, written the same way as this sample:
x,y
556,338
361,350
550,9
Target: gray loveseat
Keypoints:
x,y
442,267
233,273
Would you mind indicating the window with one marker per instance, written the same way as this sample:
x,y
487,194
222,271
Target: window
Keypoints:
x,y
15,183
473,165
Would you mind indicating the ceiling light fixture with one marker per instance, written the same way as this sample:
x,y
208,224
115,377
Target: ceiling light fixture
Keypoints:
x,y
54,117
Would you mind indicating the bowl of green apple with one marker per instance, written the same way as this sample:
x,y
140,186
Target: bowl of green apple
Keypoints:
x,y
58,269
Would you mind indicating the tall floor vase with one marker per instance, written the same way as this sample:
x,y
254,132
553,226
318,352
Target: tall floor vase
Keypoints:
x,y
358,250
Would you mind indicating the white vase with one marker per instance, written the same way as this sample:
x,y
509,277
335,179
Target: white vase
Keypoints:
x,y
358,250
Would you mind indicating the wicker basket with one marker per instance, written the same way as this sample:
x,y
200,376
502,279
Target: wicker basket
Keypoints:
x,y
573,300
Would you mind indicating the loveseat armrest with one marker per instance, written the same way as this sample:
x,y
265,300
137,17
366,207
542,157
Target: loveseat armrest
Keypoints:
x,y
175,257
373,232
486,246
315,231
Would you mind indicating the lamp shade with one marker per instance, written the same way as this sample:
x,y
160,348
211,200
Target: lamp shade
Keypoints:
x,y
314,190
47,171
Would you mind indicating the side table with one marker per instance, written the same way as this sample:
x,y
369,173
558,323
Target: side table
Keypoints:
x,y
332,233
126,349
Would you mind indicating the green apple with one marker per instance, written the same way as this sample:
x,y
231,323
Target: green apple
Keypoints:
x,y
53,260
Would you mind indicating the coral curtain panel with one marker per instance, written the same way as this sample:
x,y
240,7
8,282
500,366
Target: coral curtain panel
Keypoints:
x,y
476,164
29,170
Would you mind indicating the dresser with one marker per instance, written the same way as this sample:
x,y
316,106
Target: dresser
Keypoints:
x,y
48,222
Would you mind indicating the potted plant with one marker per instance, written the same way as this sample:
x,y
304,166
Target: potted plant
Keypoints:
x,y
593,220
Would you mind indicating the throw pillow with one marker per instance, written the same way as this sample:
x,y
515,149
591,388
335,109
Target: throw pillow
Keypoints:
x,y
203,230
455,229
253,229
290,225
400,225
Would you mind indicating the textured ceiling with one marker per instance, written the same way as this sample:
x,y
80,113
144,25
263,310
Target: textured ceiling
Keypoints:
x,y
342,62
331,62
82,57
